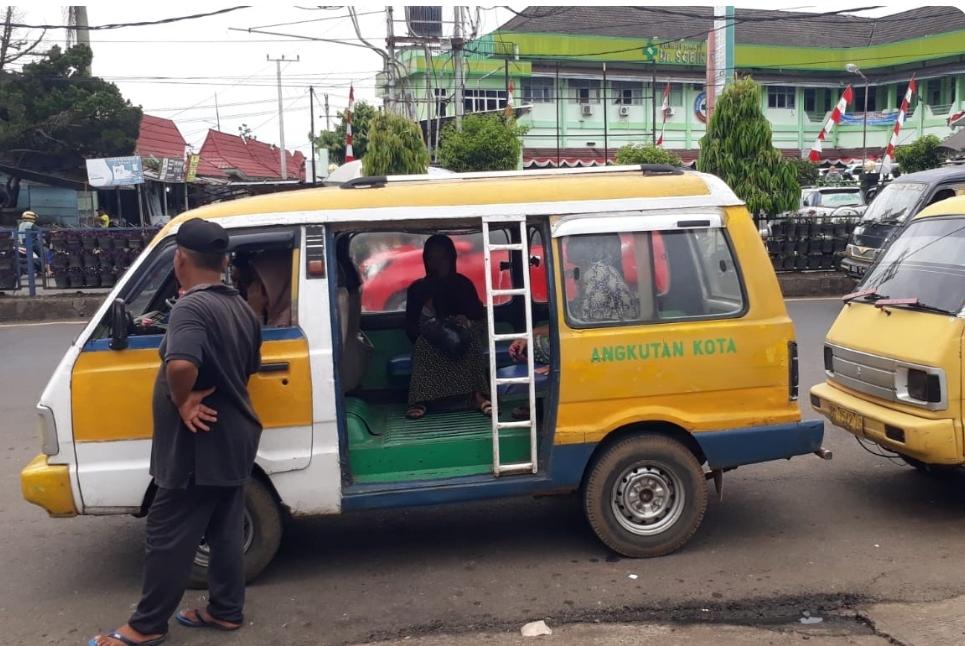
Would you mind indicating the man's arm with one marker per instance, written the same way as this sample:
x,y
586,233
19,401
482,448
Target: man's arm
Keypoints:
x,y
181,376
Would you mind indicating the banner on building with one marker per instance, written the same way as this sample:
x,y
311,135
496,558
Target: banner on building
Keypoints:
x,y
874,119
114,171
192,173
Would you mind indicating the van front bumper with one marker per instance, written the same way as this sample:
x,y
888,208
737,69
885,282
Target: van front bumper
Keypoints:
x,y
740,446
854,268
933,441
48,486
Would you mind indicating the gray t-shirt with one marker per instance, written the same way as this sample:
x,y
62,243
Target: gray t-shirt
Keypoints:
x,y
212,327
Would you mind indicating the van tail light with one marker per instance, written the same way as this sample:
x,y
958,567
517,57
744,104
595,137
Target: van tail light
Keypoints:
x,y
793,374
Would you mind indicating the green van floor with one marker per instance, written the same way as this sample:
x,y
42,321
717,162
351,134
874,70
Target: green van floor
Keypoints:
x,y
384,446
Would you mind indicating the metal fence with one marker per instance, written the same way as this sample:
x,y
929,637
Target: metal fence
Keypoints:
x,y
68,258
807,244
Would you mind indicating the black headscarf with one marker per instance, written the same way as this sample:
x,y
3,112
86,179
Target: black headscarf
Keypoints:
x,y
451,295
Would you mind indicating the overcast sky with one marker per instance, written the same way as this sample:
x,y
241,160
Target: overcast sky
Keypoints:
x,y
175,70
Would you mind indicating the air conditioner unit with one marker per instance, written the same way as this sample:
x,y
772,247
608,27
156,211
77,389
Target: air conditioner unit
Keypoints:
x,y
586,110
624,111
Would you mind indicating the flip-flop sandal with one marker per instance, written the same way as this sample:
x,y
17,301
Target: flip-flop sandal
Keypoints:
x,y
486,408
200,622
416,411
127,641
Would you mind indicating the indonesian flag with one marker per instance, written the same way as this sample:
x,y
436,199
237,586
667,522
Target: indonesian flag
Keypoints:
x,y
665,109
846,97
349,153
509,100
899,122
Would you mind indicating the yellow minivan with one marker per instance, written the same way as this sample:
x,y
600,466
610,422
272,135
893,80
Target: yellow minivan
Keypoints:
x,y
635,413
893,357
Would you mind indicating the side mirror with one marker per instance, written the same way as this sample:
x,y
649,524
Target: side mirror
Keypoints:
x,y
119,324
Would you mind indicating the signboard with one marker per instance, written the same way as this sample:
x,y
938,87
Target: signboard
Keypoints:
x,y
192,173
650,52
700,107
683,52
166,169
874,119
114,171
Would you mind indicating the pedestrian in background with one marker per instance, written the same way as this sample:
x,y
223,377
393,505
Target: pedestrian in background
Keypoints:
x,y
206,436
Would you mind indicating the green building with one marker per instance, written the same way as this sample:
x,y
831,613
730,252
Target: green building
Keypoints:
x,y
583,85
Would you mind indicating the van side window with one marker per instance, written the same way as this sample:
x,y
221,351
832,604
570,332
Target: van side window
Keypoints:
x,y
389,261
614,279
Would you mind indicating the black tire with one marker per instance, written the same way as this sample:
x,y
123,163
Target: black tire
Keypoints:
x,y
266,529
656,464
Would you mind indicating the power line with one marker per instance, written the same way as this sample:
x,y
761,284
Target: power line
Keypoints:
x,y
144,23
302,22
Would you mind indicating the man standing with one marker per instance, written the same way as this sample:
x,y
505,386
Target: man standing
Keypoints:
x,y
206,435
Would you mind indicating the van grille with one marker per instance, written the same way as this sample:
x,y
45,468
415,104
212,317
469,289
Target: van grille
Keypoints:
x,y
866,373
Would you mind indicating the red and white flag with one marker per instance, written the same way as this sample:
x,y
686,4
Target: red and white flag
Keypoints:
x,y
899,122
665,109
846,97
349,153
509,100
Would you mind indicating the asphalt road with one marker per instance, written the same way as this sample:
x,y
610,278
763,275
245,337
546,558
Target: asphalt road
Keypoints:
x,y
787,537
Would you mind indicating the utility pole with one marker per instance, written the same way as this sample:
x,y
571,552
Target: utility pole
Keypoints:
x,y
390,71
311,118
80,31
457,44
281,117
217,114
328,124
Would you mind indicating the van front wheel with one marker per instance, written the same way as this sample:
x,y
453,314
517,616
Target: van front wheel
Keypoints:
x,y
645,496
263,529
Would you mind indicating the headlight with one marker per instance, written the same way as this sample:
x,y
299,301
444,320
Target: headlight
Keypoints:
x,y
47,429
921,386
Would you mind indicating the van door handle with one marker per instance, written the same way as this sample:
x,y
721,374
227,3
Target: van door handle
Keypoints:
x,y
274,367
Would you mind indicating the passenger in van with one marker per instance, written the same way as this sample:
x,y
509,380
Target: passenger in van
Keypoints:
x,y
444,295
264,280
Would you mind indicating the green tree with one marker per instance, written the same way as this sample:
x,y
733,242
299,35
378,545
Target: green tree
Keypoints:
x,y
395,147
487,142
334,140
806,171
921,155
737,148
647,154
54,106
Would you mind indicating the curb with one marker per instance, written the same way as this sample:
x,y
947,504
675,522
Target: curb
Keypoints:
x,y
18,309
825,283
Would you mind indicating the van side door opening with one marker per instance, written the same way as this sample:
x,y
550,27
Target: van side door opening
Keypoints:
x,y
383,446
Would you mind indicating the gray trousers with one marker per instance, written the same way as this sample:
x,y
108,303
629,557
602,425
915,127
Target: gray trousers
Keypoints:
x,y
176,523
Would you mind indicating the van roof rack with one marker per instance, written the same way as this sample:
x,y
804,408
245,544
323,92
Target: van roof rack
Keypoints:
x,y
376,181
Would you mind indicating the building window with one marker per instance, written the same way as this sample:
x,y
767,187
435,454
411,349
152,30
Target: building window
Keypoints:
x,y
780,97
810,99
933,92
483,100
626,93
538,90
642,277
676,95
442,102
585,90
859,105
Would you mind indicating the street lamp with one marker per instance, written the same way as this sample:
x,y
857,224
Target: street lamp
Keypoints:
x,y
854,69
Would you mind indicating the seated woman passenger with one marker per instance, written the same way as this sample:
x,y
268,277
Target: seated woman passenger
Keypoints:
x,y
447,297
264,281
602,295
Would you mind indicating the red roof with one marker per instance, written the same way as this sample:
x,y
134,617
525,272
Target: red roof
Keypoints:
x,y
267,155
159,138
251,160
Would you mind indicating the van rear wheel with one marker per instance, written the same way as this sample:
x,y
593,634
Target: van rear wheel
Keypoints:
x,y
645,496
263,530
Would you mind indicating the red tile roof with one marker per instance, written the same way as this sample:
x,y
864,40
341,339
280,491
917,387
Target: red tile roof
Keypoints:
x,y
159,138
250,160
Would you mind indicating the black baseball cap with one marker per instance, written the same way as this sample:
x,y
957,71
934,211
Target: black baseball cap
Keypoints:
x,y
202,236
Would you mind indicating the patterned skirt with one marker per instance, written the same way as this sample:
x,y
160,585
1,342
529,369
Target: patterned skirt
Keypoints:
x,y
436,376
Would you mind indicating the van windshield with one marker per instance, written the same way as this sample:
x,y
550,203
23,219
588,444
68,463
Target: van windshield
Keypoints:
x,y
894,204
925,263
835,199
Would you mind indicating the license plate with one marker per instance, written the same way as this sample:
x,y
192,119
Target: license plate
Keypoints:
x,y
847,419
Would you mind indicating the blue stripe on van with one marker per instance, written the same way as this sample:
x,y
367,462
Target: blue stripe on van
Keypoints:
x,y
153,341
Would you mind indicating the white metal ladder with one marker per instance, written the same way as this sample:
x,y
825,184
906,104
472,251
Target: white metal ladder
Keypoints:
x,y
492,293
